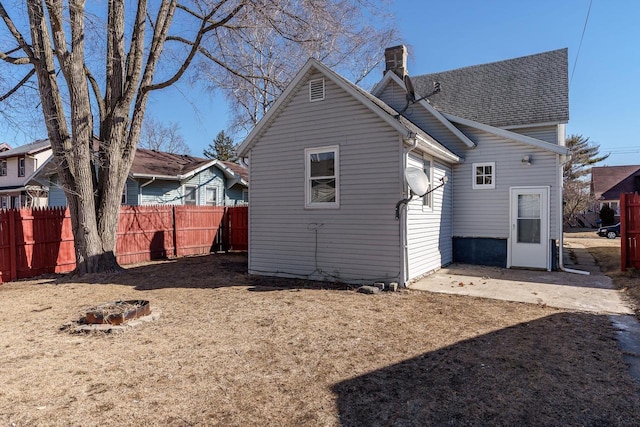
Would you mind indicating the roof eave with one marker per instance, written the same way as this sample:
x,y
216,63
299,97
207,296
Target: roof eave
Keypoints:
x,y
558,149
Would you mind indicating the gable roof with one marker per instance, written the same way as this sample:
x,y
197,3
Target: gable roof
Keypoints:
x,y
404,126
528,90
23,150
609,181
393,77
148,163
160,164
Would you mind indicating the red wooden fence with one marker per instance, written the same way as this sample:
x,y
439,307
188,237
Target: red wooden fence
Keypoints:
x,y
629,231
37,241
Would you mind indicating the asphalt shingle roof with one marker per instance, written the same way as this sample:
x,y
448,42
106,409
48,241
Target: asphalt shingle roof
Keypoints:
x,y
34,147
527,90
609,181
151,162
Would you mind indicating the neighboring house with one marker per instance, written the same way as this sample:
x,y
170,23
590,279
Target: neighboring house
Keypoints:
x,y
608,182
163,178
495,131
17,167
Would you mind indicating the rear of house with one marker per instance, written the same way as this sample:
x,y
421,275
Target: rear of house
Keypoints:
x,y
328,161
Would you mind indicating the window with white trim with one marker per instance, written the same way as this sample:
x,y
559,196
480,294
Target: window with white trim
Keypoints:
x,y
484,175
3,167
21,166
123,197
245,195
427,199
4,202
212,196
190,195
322,176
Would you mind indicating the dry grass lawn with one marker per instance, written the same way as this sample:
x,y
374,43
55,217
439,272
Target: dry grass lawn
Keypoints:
x,y
231,350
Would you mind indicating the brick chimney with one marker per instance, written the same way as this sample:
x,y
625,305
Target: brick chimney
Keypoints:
x,y
396,60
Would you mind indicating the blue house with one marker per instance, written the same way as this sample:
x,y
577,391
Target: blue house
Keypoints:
x,y
160,178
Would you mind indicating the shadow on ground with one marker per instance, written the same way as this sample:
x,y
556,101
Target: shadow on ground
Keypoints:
x,y
479,382
206,271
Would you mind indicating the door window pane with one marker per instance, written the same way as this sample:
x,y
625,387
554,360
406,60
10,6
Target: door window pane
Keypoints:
x,y
529,220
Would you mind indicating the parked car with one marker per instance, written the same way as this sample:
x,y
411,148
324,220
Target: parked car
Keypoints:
x,y
610,232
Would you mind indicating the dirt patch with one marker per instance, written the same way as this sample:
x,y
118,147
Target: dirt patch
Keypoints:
x,y
233,350
607,254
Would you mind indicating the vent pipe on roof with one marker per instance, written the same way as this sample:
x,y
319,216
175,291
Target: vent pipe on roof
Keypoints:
x,y
395,59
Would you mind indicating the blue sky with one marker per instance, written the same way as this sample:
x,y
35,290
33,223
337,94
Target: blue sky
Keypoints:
x,y
604,93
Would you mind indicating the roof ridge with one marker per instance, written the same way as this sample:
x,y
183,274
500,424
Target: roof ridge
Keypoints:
x,y
466,67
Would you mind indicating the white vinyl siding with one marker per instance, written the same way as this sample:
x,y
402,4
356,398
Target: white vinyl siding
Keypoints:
x,y
486,213
429,231
358,242
543,133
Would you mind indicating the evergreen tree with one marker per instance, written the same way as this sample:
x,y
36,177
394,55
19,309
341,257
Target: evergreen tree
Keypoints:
x,y
577,197
583,156
222,148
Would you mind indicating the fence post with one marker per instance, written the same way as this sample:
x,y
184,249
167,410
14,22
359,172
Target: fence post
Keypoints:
x,y
174,226
623,232
13,275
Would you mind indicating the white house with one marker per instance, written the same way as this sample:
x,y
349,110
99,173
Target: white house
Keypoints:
x,y
17,168
328,161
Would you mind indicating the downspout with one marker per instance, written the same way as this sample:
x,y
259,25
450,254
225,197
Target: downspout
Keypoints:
x,y
141,187
403,219
561,266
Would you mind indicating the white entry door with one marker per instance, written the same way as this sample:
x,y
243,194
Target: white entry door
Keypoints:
x,y
529,235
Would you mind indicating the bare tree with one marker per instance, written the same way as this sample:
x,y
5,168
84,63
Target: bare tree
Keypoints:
x,y
156,135
96,65
262,59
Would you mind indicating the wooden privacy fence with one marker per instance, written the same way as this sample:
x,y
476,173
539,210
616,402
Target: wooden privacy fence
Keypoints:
x,y
37,241
629,231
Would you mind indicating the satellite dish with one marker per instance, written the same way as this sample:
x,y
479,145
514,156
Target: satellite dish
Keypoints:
x,y
417,180
411,94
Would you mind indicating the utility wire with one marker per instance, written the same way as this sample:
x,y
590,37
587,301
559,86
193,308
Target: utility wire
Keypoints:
x,y
580,45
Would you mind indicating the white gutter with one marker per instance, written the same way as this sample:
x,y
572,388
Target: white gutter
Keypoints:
x,y
141,186
561,266
403,221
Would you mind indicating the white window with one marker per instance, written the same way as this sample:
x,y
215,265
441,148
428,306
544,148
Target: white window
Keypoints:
x,y
190,195
123,198
322,175
4,202
20,166
427,199
484,175
212,196
3,167
316,90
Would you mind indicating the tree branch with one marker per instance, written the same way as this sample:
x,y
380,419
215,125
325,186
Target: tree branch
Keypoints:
x,y
19,38
195,45
16,87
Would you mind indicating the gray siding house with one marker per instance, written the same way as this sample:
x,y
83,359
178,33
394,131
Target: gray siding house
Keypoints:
x,y
160,178
490,138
